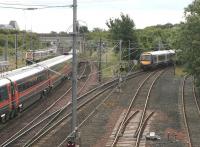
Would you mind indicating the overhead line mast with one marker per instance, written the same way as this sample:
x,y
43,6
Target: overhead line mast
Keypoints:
x,y
74,70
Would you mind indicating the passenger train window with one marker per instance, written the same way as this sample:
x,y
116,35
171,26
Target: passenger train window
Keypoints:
x,y
3,93
145,57
32,82
161,57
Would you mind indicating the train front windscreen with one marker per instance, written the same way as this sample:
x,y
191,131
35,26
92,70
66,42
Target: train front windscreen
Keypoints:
x,y
145,58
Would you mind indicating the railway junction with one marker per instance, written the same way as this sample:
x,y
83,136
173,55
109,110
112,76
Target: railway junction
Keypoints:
x,y
119,87
109,117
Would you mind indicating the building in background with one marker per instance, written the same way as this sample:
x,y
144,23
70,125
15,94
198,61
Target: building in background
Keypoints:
x,y
11,26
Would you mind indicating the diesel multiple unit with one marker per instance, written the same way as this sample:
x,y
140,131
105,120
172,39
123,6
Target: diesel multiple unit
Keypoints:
x,y
153,59
22,87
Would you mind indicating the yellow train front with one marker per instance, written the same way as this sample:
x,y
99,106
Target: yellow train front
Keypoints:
x,y
153,59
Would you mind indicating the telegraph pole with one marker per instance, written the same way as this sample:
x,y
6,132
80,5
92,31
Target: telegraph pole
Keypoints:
x,y
100,47
120,76
16,51
129,55
120,50
74,74
31,46
6,49
24,37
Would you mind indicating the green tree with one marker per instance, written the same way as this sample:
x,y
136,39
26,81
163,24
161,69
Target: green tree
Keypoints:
x,y
158,37
83,29
96,34
122,28
189,39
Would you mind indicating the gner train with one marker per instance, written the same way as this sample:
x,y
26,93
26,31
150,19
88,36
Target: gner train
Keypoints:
x,y
149,60
22,87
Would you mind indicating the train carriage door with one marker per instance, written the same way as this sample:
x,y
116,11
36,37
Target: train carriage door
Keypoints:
x,y
15,94
13,105
11,94
5,102
154,59
157,59
9,89
166,57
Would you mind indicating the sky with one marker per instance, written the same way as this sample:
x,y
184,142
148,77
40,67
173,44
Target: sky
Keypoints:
x,y
90,13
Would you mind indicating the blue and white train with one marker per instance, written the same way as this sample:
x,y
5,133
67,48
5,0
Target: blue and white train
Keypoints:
x,y
152,59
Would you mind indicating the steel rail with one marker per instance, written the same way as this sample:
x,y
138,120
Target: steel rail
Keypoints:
x,y
146,103
45,130
94,111
142,129
128,111
16,135
184,112
30,142
55,117
37,124
86,82
195,97
83,72
141,125
127,121
130,75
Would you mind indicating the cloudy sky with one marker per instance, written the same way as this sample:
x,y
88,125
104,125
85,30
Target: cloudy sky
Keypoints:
x,y
93,13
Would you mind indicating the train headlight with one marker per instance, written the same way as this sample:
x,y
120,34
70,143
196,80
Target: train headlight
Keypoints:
x,y
3,115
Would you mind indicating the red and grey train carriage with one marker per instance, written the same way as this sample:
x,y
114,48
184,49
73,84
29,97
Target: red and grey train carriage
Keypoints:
x,y
149,60
22,87
5,97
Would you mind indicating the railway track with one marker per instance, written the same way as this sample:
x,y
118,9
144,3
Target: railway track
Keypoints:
x,y
145,117
107,96
45,115
56,121
191,113
90,78
47,124
139,100
42,122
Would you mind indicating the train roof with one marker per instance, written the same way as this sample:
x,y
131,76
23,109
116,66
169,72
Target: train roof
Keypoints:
x,y
42,50
35,68
23,72
51,62
4,81
160,52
